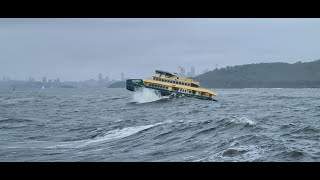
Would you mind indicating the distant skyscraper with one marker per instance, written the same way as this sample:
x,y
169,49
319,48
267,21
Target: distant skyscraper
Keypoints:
x,y
122,76
100,77
193,71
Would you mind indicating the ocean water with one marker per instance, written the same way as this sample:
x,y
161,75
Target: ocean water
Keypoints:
x,y
119,125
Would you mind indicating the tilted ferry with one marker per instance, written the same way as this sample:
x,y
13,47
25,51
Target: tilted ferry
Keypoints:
x,y
170,84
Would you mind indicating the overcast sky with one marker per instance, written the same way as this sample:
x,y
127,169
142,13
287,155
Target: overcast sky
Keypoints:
x,y
79,49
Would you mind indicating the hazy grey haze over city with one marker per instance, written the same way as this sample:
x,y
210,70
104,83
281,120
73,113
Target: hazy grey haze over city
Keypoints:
x,y
79,49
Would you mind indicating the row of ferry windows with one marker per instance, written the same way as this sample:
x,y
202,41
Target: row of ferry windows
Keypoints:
x,y
164,87
172,82
158,86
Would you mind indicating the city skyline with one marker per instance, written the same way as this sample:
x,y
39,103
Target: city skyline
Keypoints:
x,y
100,77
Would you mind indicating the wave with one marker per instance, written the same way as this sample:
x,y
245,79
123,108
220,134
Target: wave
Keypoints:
x,y
108,136
14,120
121,133
246,153
146,95
306,130
242,120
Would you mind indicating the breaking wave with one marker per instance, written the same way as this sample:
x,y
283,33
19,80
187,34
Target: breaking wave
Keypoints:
x,y
145,95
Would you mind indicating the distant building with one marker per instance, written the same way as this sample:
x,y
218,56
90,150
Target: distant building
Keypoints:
x,y
56,80
31,79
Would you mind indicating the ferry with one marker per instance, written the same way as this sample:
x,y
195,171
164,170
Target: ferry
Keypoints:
x,y
170,84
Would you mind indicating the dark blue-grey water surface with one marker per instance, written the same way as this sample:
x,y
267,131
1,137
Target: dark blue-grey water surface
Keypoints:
x,y
108,125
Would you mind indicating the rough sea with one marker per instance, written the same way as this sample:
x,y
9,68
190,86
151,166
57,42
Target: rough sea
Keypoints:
x,y
117,125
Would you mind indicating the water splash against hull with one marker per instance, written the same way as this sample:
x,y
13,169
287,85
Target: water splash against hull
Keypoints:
x,y
145,95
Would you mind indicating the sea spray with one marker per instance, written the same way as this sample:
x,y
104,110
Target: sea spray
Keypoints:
x,y
145,95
